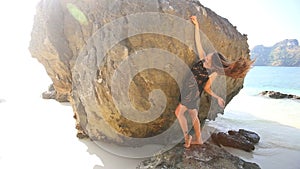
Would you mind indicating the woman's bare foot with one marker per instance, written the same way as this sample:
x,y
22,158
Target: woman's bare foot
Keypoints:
x,y
187,141
197,141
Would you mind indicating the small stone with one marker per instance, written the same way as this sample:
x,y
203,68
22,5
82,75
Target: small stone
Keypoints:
x,y
100,81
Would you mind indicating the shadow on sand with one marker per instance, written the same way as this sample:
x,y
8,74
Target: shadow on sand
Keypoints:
x,y
110,160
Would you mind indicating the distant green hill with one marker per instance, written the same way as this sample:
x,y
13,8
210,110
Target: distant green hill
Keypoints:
x,y
284,53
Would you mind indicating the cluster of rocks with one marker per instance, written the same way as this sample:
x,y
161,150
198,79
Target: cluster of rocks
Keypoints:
x,y
242,139
208,156
278,95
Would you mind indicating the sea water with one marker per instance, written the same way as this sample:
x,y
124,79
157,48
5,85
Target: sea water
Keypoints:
x,y
277,121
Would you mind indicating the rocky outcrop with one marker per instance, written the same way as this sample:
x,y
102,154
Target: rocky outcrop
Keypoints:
x,y
209,155
51,93
242,139
206,156
278,95
86,45
284,53
248,135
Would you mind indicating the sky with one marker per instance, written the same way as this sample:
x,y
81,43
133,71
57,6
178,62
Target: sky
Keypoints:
x,y
266,22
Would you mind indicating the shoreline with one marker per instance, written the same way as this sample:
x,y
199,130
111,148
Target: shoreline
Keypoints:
x,y
270,158
62,136
274,120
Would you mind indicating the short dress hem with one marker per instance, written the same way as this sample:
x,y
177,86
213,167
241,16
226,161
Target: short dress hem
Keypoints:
x,y
193,86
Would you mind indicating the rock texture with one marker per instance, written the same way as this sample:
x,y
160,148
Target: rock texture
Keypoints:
x,y
284,53
51,93
68,38
278,95
207,156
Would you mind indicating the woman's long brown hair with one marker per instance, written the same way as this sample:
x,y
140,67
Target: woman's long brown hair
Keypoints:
x,y
235,69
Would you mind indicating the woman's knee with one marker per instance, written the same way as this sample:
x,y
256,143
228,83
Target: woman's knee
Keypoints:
x,y
194,113
180,110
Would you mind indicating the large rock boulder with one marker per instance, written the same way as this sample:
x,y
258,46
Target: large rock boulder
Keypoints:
x,y
86,47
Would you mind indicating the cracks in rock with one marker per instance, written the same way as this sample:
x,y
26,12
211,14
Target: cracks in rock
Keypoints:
x,y
81,120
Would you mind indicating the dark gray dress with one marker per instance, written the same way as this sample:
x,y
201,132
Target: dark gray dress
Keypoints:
x,y
193,85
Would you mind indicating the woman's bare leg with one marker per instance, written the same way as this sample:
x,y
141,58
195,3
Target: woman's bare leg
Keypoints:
x,y
179,112
196,123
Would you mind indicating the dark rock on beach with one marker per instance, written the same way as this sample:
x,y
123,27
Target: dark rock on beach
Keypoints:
x,y
278,95
232,141
241,139
249,135
206,156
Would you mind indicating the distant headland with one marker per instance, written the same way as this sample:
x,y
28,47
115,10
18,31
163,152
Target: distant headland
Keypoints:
x,y
284,53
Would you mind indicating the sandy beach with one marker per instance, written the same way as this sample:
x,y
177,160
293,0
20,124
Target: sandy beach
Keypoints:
x,y
42,134
39,133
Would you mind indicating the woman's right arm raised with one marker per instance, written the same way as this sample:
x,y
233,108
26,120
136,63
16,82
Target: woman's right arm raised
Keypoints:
x,y
199,47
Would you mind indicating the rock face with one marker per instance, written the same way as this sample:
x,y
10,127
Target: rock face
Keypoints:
x,y
85,46
51,93
207,156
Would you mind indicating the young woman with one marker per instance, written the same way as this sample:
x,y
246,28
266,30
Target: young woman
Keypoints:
x,y
204,73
